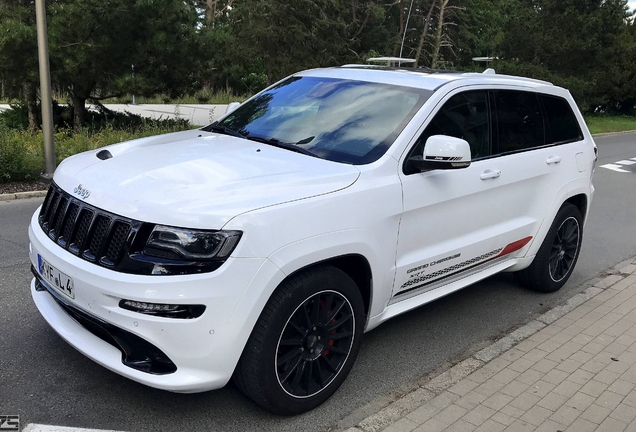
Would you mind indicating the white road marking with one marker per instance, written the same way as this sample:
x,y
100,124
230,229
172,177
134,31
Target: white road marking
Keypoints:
x,y
614,167
626,162
32,427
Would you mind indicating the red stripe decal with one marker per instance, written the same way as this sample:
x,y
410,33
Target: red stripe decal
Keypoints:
x,y
515,246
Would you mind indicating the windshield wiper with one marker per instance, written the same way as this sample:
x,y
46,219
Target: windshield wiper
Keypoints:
x,y
278,143
214,127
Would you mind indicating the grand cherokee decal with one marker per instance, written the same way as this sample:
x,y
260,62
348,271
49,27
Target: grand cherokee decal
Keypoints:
x,y
417,276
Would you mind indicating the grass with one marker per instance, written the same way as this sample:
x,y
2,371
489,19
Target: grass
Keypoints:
x,y
22,152
606,123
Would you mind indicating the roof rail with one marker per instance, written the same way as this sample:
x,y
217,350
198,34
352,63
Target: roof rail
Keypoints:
x,y
391,61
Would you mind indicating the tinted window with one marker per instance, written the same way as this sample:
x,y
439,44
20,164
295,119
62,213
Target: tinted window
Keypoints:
x,y
464,116
519,121
561,124
335,119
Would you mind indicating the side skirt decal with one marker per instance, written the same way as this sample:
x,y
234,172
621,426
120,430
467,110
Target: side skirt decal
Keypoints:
x,y
461,267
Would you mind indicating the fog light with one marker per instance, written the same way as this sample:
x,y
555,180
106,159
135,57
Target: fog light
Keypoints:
x,y
163,310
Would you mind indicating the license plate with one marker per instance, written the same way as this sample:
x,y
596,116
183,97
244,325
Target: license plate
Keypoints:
x,y
60,281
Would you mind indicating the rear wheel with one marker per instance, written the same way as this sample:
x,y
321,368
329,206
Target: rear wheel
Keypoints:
x,y
557,256
304,343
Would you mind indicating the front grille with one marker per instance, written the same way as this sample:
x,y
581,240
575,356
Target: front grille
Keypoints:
x,y
90,233
108,240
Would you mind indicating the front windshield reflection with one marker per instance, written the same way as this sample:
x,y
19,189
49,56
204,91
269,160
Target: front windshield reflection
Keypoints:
x,y
340,120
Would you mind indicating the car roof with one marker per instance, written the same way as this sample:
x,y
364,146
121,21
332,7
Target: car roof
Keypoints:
x,y
429,79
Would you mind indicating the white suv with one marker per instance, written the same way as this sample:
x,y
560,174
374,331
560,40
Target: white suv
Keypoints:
x,y
264,245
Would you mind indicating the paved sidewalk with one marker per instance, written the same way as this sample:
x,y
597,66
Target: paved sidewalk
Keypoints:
x,y
572,369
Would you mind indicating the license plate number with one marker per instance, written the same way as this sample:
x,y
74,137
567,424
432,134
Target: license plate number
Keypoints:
x,y
60,281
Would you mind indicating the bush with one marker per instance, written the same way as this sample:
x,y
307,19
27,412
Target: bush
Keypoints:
x,y
21,157
22,152
95,120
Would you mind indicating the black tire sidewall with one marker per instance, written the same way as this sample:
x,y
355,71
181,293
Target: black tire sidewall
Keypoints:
x,y
295,292
538,275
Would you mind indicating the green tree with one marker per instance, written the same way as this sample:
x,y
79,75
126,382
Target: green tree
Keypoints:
x,y
288,35
18,54
480,30
284,36
94,43
585,45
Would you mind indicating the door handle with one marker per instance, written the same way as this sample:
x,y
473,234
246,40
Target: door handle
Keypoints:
x,y
490,174
553,160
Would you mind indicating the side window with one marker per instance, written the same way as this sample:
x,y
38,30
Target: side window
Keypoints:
x,y
561,124
519,120
464,116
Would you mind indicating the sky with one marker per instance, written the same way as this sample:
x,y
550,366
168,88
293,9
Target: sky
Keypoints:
x,y
632,5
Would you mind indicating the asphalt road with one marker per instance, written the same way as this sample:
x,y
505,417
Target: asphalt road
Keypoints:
x,y
44,380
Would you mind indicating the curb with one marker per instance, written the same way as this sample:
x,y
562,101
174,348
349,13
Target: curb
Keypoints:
x,y
22,195
609,134
432,385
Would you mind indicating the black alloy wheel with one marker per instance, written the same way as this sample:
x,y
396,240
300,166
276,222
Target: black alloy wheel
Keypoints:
x,y
315,344
557,255
564,249
304,342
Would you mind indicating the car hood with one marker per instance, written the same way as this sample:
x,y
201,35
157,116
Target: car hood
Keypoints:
x,y
197,179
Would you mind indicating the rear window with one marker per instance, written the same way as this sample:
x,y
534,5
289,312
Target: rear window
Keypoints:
x,y
561,124
519,121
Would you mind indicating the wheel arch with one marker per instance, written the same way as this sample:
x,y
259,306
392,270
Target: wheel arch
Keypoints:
x,y
248,373
580,201
356,266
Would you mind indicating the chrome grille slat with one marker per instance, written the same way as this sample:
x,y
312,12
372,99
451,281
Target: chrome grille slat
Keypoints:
x,y
92,234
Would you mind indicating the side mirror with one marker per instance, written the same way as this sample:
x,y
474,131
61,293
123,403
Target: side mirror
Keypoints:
x,y
443,152
231,107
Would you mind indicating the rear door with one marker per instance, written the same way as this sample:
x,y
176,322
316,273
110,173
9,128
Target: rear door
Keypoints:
x,y
536,154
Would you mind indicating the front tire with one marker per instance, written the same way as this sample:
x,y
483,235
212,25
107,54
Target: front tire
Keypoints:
x,y
304,342
557,256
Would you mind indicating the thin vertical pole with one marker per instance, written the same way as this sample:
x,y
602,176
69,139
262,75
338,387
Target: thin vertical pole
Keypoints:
x,y
404,33
45,89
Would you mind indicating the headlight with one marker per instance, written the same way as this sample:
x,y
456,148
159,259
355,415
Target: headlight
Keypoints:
x,y
192,245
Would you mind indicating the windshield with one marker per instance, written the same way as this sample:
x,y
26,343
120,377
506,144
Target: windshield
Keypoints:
x,y
339,120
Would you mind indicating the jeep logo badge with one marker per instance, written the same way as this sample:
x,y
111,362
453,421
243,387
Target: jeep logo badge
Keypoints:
x,y
81,192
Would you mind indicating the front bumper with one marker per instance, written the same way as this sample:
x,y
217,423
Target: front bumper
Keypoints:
x,y
190,355
137,353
